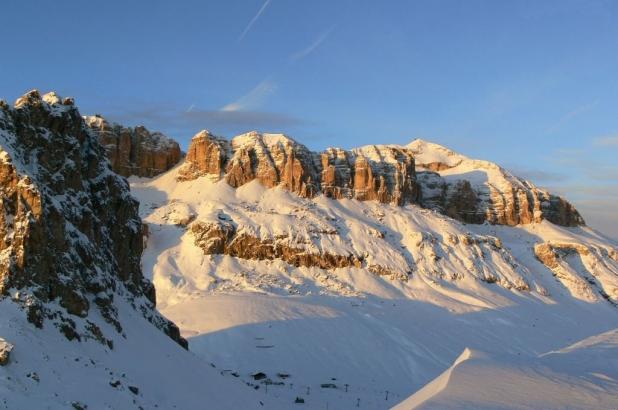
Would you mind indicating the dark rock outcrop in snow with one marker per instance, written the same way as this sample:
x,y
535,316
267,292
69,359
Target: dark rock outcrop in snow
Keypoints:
x,y
135,151
70,234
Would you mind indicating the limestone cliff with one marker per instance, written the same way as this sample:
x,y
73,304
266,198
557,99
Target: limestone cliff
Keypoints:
x,y
475,191
135,151
381,173
70,233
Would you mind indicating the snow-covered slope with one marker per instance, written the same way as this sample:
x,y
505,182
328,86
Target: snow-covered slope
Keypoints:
x,y
343,302
475,191
583,375
144,370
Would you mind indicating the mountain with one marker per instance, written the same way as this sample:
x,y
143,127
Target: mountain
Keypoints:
x,y
361,278
78,323
420,173
476,191
362,275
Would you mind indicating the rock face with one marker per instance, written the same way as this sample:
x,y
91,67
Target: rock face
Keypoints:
x,y
565,260
381,173
221,238
207,155
475,191
427,174
70,234
135,151
5,351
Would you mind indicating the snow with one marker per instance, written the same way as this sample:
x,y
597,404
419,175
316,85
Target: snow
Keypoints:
x,y
47,371
475,287
584,375
427,152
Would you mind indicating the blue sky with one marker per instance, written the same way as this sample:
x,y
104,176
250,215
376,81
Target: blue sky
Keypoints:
x,y
532,85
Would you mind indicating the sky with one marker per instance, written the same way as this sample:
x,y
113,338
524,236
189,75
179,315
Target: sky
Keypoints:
x,y
531,85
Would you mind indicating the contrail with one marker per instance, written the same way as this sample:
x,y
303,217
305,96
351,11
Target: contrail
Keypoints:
x,y
253,20
305,52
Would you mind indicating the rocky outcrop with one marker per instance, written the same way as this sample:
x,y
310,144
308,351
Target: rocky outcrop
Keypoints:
x,y
381,173
221,237
206,156
135,151
475,191
586,270
512,204
427,174
70,234
5,352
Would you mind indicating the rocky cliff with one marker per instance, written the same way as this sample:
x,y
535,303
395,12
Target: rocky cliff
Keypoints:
x,y
381,173
135,151
427,174
475,191
70,233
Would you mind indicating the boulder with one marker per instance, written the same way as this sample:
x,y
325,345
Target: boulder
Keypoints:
x,y
5,352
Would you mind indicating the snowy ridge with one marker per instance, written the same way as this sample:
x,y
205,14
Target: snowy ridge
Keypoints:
x,y
423,173
582,375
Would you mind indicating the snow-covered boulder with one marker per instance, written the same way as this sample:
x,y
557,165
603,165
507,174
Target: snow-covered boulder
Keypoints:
x,y
5,351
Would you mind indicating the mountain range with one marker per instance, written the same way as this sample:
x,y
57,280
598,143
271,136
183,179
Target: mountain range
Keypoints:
x,y
256,273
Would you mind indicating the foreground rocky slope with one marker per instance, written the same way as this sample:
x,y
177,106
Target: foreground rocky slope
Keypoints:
x,y
69,230
422,173
134,151
78,324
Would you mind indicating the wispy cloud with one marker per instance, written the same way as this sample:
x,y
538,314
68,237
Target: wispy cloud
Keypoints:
x,y
572,114
253,99
539,176
313,46
247,119
182,123
608,141
253,20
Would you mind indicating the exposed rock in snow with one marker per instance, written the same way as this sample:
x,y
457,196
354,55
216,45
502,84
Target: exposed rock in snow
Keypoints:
x,y
5,351
471,191
475,191
135,151
221,237
381,173
569,260
206,156
70,233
